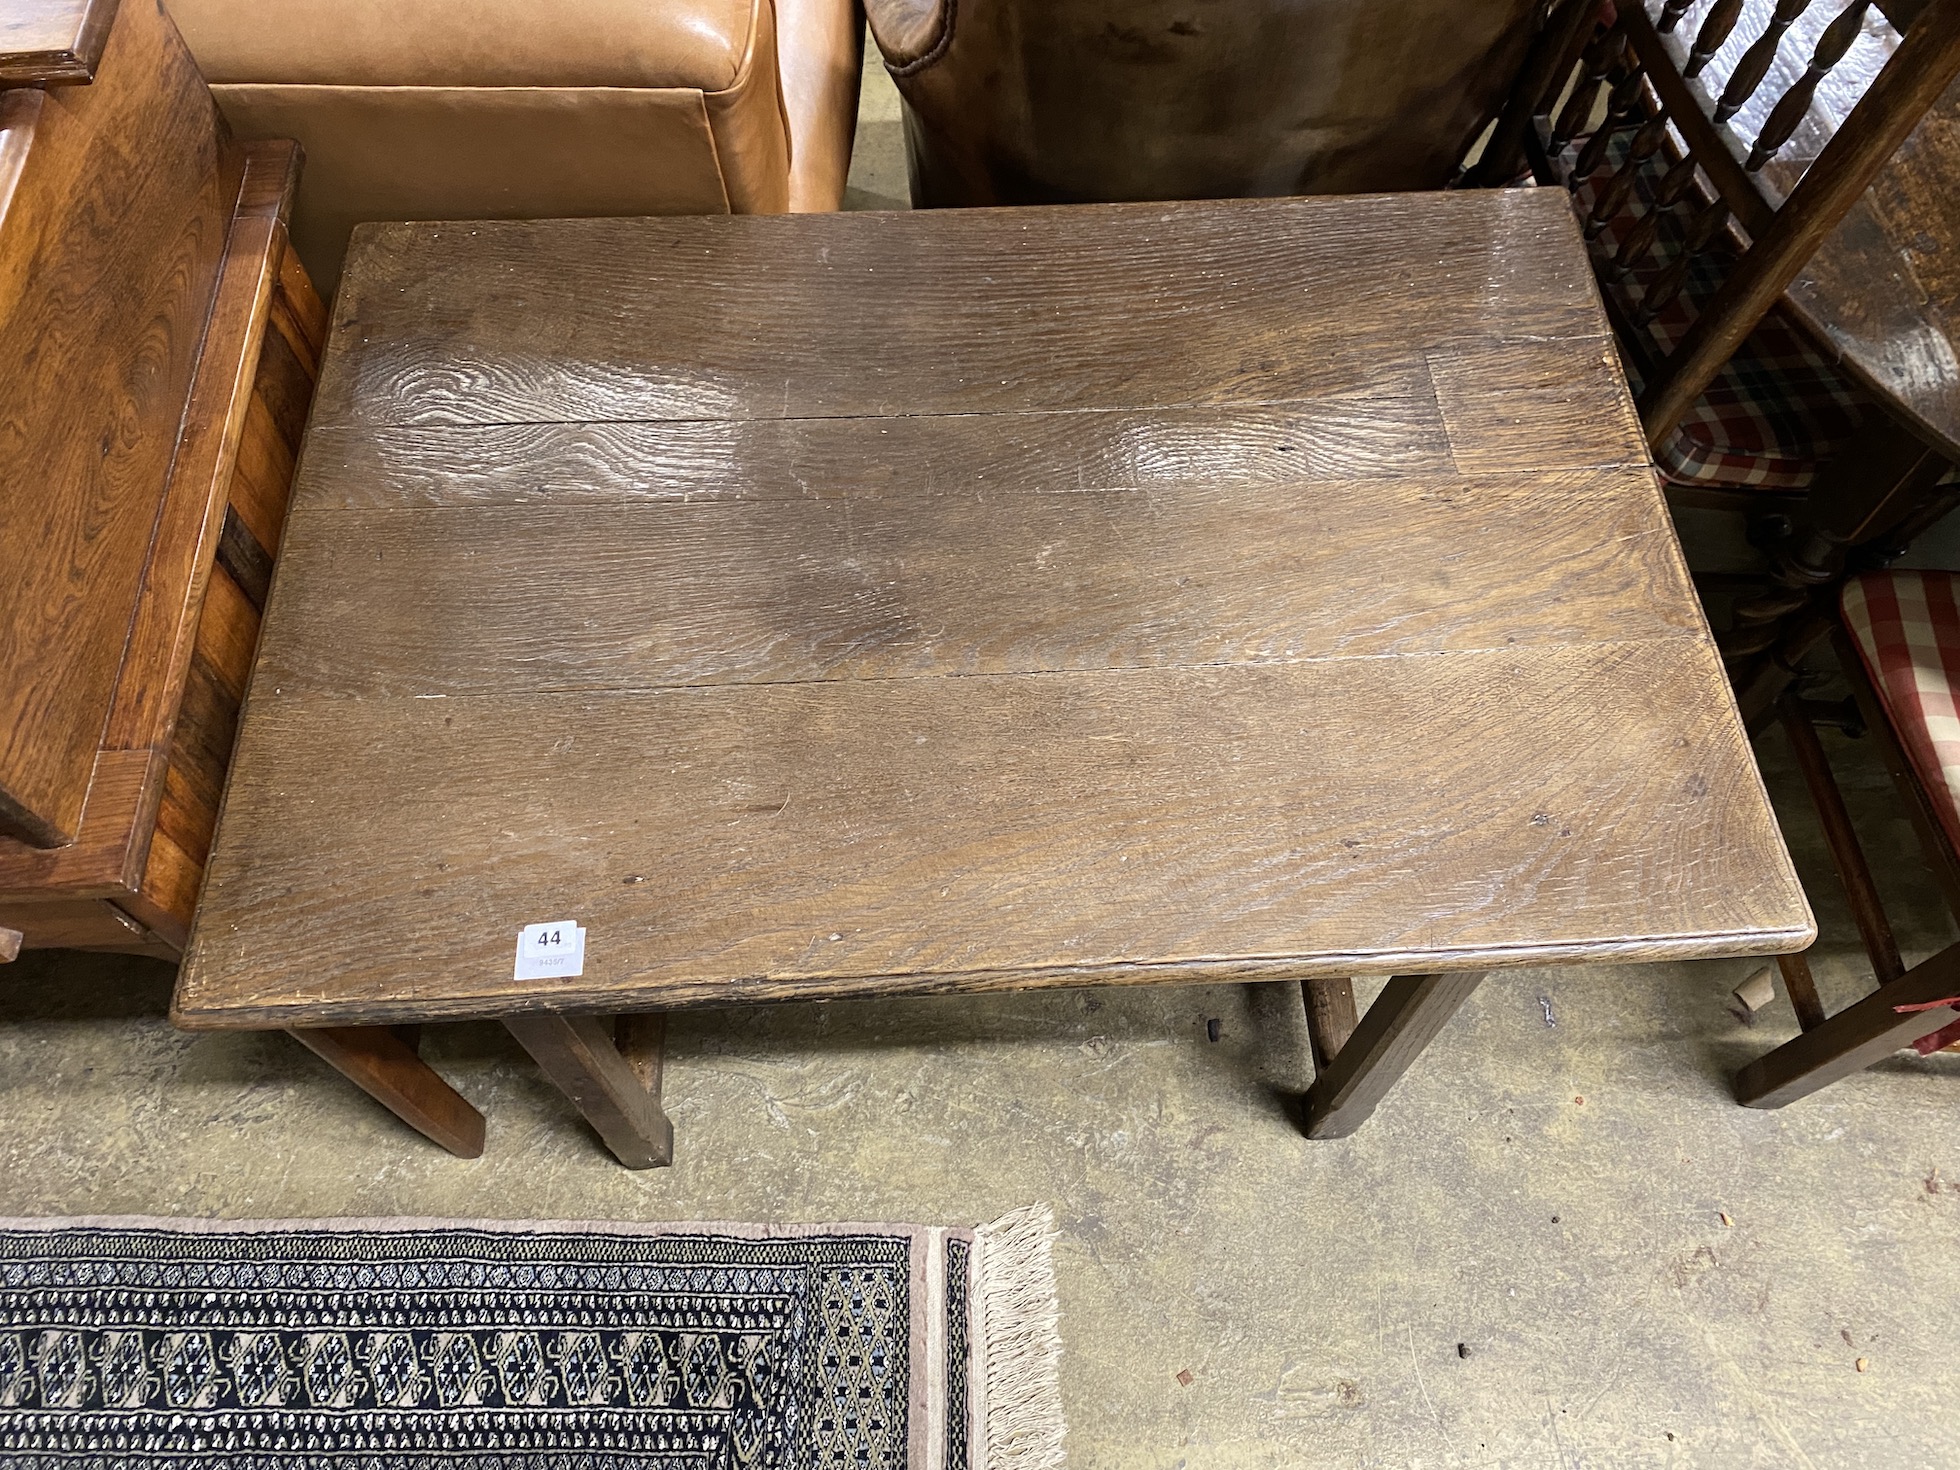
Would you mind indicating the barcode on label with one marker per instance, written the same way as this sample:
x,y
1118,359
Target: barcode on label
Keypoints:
x,y
553,951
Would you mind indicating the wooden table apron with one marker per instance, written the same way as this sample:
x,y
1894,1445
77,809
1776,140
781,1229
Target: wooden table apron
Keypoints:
x,y
815,607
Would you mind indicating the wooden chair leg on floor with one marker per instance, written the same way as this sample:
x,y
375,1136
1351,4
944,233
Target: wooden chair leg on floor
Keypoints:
x,y
1837,1046
612,1075
1847,854
383,1064
1855,1037
1403,1020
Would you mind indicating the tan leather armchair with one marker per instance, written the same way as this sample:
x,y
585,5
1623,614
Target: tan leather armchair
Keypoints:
x,y
477,109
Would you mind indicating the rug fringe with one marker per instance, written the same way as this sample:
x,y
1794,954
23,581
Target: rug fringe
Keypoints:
x,y
1020,1319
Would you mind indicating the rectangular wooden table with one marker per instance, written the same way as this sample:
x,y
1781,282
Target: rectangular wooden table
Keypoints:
x,y
829,606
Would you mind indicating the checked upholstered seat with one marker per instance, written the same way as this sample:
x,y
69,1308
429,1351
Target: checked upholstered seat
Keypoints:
x,y
1775,412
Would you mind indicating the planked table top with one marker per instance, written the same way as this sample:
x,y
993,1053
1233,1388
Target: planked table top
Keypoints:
x,y
830,605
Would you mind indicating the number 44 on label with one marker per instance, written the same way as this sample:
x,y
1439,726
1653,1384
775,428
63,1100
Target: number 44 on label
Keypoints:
x,y
553,951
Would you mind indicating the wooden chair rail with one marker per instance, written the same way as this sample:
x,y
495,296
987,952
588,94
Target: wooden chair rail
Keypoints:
x,y
1867,908
1867,506
1710,145
1853,1039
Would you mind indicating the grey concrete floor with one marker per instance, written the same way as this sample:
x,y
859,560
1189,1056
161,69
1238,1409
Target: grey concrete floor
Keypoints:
x,y
1558,1244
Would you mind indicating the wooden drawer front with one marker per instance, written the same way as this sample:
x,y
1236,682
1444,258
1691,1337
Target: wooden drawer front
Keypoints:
x,y
81,923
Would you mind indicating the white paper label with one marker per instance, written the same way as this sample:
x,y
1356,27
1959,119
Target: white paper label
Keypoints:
x,y
550,951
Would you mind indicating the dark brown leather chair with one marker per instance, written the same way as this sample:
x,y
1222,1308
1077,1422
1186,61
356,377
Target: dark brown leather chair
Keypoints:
x,y
1036,101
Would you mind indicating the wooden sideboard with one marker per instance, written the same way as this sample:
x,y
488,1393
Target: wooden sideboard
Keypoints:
x,y
163,341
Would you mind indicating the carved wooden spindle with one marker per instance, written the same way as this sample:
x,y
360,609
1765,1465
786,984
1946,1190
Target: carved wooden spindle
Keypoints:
x,y
1755,63
1814,557
1601,55
1865,507
1671,190
1701,230
1785,116
1715,28
1671,15
1621,105
1646,143
1673,187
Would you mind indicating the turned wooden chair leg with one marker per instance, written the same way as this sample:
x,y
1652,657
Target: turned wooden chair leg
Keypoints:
x,y
1836,1046
1403,1020
611,1075
1855,1037
383,1064
1847,853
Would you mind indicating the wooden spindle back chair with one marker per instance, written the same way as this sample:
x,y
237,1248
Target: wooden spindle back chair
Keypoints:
x,y
1898,634
1711,146
1702,195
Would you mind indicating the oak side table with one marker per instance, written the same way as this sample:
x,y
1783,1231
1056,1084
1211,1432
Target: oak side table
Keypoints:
x,y
697,612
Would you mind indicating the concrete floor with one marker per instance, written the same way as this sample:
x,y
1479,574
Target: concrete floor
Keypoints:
x,y
1559,1243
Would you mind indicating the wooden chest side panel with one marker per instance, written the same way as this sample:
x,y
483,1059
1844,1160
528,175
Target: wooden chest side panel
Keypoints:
x,y
108,254
213,689
152,808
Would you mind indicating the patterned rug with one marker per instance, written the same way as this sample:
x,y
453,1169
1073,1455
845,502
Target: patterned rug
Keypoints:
x,y
436,1345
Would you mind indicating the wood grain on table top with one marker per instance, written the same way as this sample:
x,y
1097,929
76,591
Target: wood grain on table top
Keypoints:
x,y
1007,311
802,610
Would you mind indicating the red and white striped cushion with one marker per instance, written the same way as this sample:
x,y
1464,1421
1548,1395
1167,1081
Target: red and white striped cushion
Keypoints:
x,y
1906,626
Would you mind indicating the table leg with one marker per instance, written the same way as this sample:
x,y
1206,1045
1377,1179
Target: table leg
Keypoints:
x,y
642,1041
617,1090
384,1065
1403,1020
1330,1018
1855,1037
